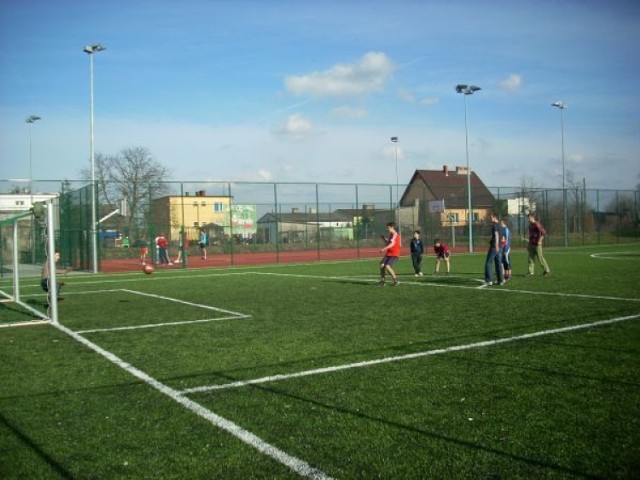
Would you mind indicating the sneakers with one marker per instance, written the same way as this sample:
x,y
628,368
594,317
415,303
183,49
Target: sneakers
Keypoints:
x,y
421,274
395,283
381,283
546,274
487,284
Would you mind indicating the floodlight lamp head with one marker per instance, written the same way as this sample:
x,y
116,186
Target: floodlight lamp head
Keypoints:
x,y
93,48
394,139
473,88
560,104
32,118
461,88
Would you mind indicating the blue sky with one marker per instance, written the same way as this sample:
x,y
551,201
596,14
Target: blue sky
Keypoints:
x,y
309,91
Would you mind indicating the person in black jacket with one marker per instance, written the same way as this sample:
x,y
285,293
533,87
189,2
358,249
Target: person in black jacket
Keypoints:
x,y
417,250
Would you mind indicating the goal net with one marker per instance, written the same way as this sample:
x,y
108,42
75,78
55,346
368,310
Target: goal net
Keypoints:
x,y
26,245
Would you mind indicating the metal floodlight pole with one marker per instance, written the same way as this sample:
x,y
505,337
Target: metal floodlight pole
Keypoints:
x,y
31,119
468,90
90,50
561,106
395,141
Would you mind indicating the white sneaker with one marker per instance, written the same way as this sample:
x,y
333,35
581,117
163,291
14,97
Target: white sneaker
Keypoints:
x,y
421,274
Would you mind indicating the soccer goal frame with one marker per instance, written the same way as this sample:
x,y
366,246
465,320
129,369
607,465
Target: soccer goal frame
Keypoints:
x,y
15,295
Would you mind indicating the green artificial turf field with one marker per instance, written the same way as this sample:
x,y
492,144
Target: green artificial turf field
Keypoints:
x,y
315,371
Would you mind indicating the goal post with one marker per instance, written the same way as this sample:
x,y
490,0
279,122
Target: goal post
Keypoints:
x,y
14,234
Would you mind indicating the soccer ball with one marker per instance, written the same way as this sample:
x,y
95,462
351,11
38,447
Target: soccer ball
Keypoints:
x,y
148,269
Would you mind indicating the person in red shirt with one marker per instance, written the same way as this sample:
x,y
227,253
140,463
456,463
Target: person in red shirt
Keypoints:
x,y
442,254
536,235
391,253
163,247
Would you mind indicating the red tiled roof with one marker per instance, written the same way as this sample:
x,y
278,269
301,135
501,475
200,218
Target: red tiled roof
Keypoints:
x,y
449,185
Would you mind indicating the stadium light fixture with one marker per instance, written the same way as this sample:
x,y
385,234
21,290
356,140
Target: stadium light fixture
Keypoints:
x,y
467,90
560,105
395,141
90,50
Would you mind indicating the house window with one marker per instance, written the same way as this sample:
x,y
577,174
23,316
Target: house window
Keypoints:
x,y
453,218
476,217
218,207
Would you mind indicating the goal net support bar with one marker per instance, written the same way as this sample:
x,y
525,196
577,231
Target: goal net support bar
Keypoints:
x,y
15,296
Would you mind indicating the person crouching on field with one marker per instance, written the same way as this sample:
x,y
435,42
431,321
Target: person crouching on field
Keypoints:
x,y
44,282
442,255
391,253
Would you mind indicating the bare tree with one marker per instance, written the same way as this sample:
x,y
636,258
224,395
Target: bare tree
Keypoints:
x,y
132,175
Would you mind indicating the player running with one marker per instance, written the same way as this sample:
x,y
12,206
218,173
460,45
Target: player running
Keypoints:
x,y
391,253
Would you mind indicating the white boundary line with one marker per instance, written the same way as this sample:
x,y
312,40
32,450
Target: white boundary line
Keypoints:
x,y
409,356
297,465
26,323
616,256
166,324
232,315
415,283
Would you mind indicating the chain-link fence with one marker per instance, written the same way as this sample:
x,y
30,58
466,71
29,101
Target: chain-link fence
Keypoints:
x,y
276,221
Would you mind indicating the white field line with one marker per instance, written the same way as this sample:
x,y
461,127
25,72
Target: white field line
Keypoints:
x,y
494,288
295,464
409,356
616,256
166,324
232,315
26,323
184,302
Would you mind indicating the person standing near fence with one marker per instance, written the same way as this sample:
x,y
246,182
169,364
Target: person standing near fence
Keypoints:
x,y
494,257
506,249
143,245
391,253
183,245
202,242
163,247
417,250
536,235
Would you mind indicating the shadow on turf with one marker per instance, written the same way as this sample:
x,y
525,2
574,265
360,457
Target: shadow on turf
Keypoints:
x,y
35,448
430,434
360,355
439,279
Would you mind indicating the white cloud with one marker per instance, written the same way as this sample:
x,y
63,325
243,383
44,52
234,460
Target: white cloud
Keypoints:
x,y
296,125
576,158
265,175
366,75
512,83
409,97
429,101
346,111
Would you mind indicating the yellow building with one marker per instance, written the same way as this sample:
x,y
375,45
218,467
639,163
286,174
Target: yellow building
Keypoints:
x,y
170,214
